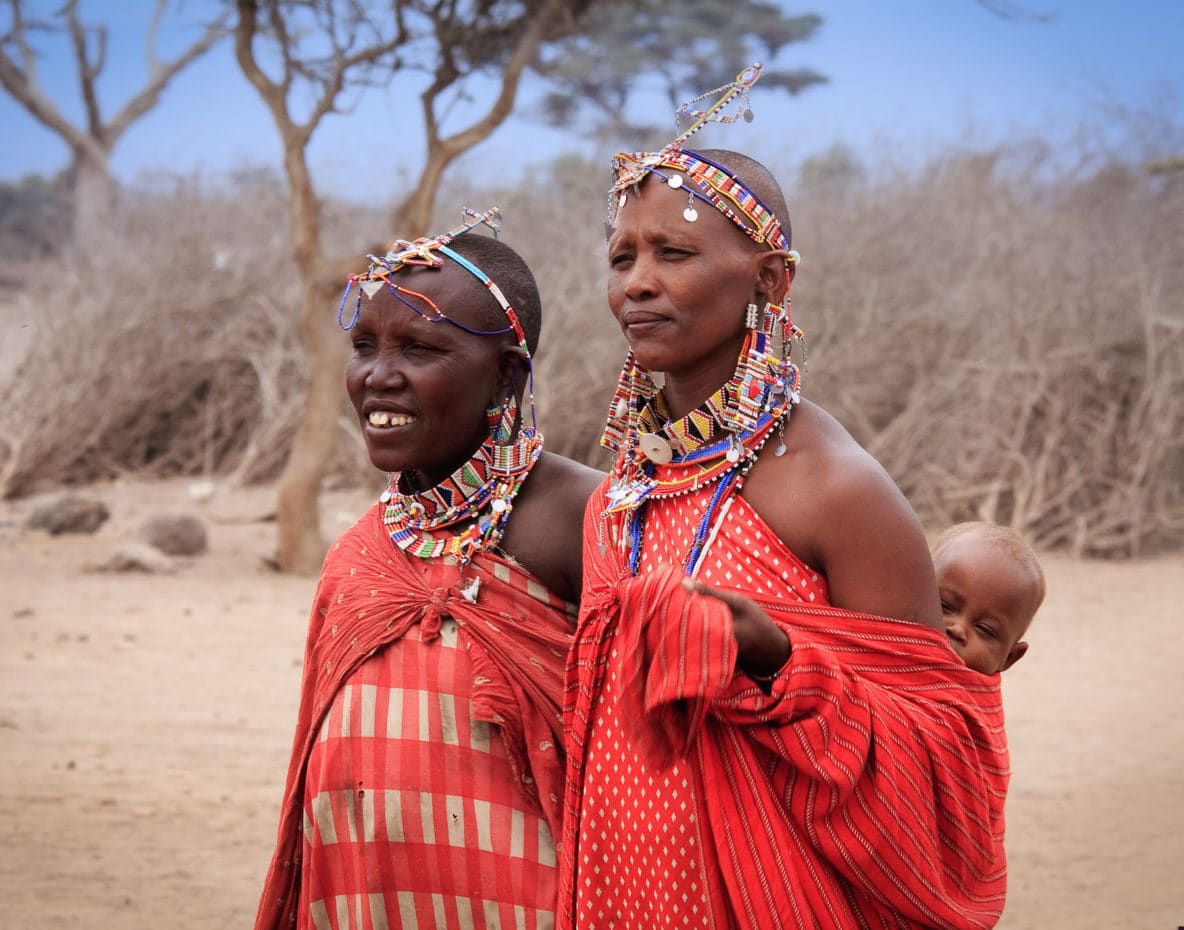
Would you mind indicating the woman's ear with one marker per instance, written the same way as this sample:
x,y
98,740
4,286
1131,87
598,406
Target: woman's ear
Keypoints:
x,y
512,366
773,273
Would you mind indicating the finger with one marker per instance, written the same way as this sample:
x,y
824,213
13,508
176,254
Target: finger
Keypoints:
x,y
731,598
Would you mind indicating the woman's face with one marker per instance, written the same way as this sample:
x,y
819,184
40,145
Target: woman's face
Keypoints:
x,y
677,289
420,388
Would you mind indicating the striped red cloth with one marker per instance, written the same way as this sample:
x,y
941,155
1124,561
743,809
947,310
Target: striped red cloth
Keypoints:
x,y
405,679
865,790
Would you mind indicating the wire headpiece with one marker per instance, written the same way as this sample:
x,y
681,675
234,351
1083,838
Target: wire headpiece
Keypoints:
x,y
432,252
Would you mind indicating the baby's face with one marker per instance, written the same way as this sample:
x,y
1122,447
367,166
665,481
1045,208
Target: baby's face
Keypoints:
x,y
988,601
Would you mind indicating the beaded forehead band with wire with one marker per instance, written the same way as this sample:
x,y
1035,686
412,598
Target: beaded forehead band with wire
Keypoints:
x,y
709,182
430,253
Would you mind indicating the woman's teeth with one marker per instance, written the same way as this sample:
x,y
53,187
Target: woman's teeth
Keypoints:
x,y
382,418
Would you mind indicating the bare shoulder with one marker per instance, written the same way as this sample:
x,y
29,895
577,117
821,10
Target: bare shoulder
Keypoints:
x,y
839,511
545,530
564,482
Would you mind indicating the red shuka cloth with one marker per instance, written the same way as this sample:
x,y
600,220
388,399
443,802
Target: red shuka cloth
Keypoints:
x,y
369,595
866,789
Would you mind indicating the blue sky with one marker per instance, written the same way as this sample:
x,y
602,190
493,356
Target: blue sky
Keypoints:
x,y
907,79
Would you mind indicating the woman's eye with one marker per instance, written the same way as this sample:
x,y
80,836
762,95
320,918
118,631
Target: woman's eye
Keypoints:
x,y
616,261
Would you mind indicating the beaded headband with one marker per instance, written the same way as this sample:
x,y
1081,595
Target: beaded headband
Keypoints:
x,y
708,182
431,253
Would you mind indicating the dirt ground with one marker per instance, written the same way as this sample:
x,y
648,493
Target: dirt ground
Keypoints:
x,y
145,722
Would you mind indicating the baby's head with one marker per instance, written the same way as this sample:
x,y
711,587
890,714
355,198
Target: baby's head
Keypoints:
x,y
991,585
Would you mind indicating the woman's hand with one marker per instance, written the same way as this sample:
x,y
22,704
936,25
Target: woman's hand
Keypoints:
x,y
762,646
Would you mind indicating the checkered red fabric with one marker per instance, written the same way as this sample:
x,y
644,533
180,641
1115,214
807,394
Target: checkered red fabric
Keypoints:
x,y
426,775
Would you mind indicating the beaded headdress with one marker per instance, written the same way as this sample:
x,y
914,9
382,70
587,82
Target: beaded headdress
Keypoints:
x,y
466,512
710,183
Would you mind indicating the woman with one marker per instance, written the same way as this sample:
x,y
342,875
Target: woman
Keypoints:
x,y
753,743
427,769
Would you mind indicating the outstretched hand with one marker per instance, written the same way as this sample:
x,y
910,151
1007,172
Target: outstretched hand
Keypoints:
x,y
762,646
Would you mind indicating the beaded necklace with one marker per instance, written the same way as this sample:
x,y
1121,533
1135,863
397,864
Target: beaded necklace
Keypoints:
x,y
707,450
480,492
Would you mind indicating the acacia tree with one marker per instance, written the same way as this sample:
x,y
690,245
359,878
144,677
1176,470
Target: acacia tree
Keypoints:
x,y
310,58
92,142
323,52
686,48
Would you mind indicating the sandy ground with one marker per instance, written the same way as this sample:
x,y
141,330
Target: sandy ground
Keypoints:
x,y
145,722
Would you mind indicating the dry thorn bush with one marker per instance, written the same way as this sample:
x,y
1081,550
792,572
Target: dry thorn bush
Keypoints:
x,y
165,349
1010,348
1006,337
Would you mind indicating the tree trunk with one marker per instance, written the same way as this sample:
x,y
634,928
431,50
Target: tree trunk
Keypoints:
x,y
413,215
300,546
94,198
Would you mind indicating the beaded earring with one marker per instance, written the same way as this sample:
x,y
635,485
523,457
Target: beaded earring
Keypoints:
x,y
635,388
502,419
752,316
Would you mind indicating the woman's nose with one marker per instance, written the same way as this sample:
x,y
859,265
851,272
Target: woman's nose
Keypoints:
x,y
639,280
386,371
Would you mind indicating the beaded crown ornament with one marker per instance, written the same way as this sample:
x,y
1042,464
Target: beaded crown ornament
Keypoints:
x,y
474,501
659,457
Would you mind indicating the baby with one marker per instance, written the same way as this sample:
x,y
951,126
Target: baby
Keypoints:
x,y
991,585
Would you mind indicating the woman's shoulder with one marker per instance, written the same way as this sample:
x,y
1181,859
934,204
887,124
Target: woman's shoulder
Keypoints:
x,y
564,481
824,479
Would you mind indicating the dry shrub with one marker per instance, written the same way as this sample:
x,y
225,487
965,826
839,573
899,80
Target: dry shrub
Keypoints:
x,y
167,348
1006,336
1009,344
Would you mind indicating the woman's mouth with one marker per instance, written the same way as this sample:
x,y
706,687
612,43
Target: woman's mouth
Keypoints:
x,y
384,419
640,320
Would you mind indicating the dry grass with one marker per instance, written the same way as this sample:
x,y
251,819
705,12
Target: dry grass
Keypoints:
x,y
1006,338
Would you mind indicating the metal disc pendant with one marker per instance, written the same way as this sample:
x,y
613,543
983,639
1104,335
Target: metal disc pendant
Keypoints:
x,y
690,214
780,450
733,455
748,116
370,288
655,448
674,181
